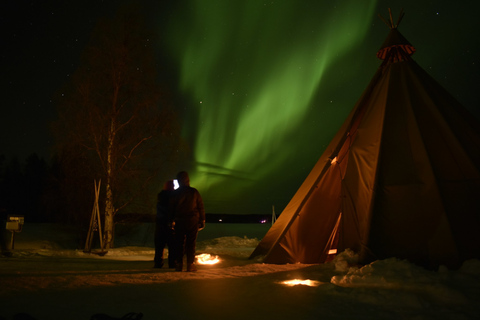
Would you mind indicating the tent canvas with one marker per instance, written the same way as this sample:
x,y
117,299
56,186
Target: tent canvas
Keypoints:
x,y
399,179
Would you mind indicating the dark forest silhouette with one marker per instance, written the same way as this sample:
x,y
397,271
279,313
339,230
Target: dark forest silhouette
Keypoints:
x,y
25,187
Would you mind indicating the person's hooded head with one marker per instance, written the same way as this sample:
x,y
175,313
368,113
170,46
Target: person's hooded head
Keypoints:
x,y
169,186
183,179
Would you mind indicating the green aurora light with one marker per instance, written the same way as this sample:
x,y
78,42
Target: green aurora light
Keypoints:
x,y
253,72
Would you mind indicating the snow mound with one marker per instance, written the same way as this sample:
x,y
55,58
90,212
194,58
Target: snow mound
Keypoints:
x,y
232,246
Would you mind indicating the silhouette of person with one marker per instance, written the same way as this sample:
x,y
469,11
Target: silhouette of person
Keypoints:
x,y
189,217
163,227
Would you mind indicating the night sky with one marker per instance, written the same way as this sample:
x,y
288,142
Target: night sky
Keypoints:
x,y
262,86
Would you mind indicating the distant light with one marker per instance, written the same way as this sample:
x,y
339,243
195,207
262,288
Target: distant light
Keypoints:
x,y
206,258
220,220
263,221
332,251
297,282
175,184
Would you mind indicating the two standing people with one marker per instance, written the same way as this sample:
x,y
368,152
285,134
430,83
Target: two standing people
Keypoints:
x,y
187,216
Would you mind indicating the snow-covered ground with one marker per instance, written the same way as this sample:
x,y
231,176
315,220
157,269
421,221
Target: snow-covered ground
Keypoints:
x,y
49,279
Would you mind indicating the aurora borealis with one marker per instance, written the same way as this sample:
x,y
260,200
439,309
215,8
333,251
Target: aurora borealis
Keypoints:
x,y
261,86
254,78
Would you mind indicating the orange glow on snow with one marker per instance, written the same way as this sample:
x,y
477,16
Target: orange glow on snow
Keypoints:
x,y
206,258
296,282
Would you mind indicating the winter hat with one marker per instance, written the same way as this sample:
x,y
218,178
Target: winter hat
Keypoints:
x,y
183,178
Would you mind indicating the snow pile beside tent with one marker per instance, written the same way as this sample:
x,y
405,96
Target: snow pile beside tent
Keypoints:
x,y
232,246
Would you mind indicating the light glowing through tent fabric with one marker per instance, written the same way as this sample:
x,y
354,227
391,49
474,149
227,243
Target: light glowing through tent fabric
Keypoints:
x,y
250,70
298,282
206,258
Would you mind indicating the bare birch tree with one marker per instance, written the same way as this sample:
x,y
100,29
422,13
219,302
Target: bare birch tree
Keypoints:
x,y
115,111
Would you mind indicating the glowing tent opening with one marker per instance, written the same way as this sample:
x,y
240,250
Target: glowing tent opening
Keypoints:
x,y
206,258
297,282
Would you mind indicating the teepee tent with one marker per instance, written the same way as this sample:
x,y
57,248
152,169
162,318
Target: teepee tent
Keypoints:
x,y
401,178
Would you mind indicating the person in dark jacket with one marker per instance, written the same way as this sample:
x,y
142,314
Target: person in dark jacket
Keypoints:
x,y
163,227
189,217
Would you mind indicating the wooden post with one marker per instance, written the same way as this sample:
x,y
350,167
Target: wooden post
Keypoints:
x,y
274,216
95,223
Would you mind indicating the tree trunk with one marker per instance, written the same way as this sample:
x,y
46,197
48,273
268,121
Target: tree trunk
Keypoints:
x,y
109,206
109,214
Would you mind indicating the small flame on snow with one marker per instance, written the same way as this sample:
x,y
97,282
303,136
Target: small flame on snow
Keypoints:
x,y
206,258
296,282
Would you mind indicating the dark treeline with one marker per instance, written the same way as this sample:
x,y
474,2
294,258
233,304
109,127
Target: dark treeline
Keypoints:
x,y
24,188
37,190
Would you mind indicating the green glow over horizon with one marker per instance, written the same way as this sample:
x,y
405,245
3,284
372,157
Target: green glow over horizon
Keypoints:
x,y
251,70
